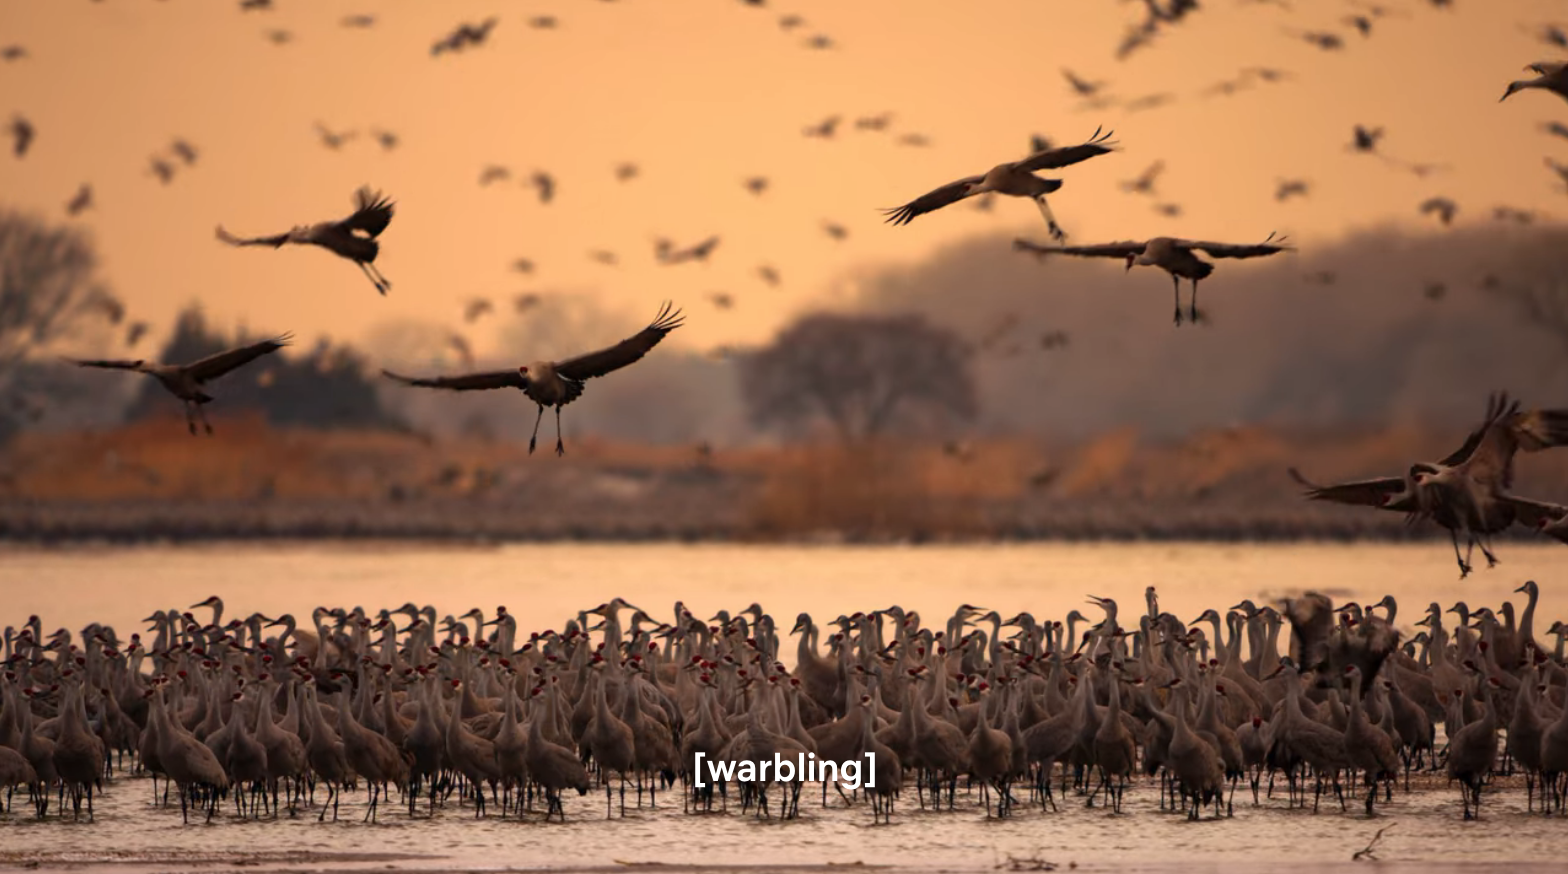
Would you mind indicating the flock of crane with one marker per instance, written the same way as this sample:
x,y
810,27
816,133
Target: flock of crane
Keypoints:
x,y
434,714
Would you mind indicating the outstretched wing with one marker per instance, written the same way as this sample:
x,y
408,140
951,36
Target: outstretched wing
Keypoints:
x,y
1103,250
274,241
1534,514
623,353
1244,250
1495,405
1098,144
466,382
107,363
933,200
214,366
372,213
1363,493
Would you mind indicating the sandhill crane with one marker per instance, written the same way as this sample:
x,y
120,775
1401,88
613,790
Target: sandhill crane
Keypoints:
x,y
1173,255
769,274
354,238
370,755
465,35
1288,188
1368,749
823,129
334,140
554,767
885,767
1550,76
184,151
1015,179
360,21
625,171
666,253
1082,87
388,140
543,183
80,201
1444,208
470,755
1472,751
877,122
543,22
15,771
1365,139
1143,183
13,53
477,307
78,754
835,230
22,133
187,761
494,173
756,184
186,381
558,383
161,169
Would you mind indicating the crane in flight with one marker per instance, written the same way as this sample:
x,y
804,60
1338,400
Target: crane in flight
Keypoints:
x,y
187,381
557,383
353,238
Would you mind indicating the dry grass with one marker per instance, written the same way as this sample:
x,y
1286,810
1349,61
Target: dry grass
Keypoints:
x,y
1226,483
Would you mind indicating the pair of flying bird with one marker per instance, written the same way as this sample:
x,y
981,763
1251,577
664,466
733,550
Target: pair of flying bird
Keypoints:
x,y
546,383
1017,179
1468,492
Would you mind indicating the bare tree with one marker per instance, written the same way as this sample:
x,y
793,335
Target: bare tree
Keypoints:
x,y
863,374
48,290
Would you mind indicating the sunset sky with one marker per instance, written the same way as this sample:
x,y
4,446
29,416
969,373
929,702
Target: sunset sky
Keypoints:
x,y
702,94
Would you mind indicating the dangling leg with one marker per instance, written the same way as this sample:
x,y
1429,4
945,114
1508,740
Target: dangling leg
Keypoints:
x,y
374,280
190,417
535,438
560,449
381,278
1194,311
202,415
1464,569
1057,233
1176,293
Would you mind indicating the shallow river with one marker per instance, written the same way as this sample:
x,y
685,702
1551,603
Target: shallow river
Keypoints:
x,y
543,585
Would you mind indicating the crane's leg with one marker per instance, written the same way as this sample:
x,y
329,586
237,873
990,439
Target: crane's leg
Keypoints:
x,y
1464,569
535,438
1176,293
381,277
1057,233
1194,310
560,448
374,280
202,415
190,417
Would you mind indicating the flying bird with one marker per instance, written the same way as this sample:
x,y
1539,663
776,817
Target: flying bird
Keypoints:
x,y
1169,210
258,5
135,332
353,238
280,37
359,21
1551,76
874,122
1015,179
820,41
1513,214
186,381
184,151
1174,256
13,53
544,183
22,133
1466,491
388,140
1444,208
1288,188
161,169
625,172
525,302
1560,169
604,256
1148,102
494,173
824,128
1364,139
558,383
1082,87
721,299
459,344
543,22
666,253
332,139
475,308
464,36
756,185
80,201
523,265
836,231
913,139
769,274
1362,23
1143,183
790,22
1325,40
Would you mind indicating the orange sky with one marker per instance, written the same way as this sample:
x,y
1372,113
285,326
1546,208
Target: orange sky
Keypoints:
x,y
702,93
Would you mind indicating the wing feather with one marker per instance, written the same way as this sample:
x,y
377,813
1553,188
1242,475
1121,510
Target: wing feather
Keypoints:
x,y
107,363
1103,250
1098,144
214,366
372,213
1238,250
1363,493
933,200
465,382
623,353
274,241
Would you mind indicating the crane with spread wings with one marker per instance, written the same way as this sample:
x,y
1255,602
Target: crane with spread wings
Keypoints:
x,y
187,381
557,383
1015,179
354,238
1173,255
